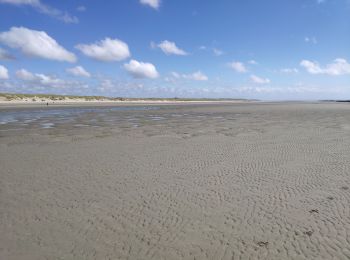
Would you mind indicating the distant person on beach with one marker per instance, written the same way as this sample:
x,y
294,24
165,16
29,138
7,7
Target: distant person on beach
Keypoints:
x,y
47,103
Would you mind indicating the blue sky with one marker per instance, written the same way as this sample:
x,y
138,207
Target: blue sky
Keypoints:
x,y
271,49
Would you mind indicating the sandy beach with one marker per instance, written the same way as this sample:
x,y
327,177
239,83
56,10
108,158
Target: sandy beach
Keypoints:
x,y
192,181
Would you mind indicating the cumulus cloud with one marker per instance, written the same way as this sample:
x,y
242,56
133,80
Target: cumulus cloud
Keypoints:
x,y
141,69
175,75
153,45
217,52
81,8
78,71
20,2
311,67
238,67
39,78
289,70
45,9
259,80
37,82
337,67
4,74
252,62
170,48
198,76
25,75
106,50
152,3
105,85
48,80
43,83
35,43
312,40
4,55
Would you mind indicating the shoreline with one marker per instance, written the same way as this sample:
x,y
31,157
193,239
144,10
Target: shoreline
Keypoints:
x,y
72,104
31,104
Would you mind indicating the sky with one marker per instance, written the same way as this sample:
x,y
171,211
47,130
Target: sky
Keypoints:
x,y
257,49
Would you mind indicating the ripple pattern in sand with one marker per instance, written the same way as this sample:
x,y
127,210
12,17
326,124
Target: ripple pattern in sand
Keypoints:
x,y
271,184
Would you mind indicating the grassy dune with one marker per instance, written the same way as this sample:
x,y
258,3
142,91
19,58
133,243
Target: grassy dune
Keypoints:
x,y
53,97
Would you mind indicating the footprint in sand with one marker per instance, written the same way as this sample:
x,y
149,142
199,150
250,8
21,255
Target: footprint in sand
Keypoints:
x,y
309,233
262,243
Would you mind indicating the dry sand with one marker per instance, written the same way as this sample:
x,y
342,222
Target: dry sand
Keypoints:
x,y
238,181
81,101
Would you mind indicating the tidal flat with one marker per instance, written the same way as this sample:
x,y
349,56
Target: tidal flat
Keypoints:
x,y
190,181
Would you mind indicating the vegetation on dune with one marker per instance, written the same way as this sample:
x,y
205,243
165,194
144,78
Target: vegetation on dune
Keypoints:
x,y
54,97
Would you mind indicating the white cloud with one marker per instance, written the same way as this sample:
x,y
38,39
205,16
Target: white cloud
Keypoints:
x,y
45,9
25,75
35,43
48,80
153,45
258,80
152,3
105,85
238,67
198,75
170,48
3,72
253,62
78,71
81,8
175,75
106,50
217,52
141,69
20,2
43,83
167,79
312,40
289,70
311,67
38,78
338,67
4,55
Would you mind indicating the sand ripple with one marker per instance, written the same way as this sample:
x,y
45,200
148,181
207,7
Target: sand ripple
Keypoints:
x,y
249,181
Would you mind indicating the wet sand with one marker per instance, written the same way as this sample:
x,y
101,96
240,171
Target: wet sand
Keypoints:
x,y
205,181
